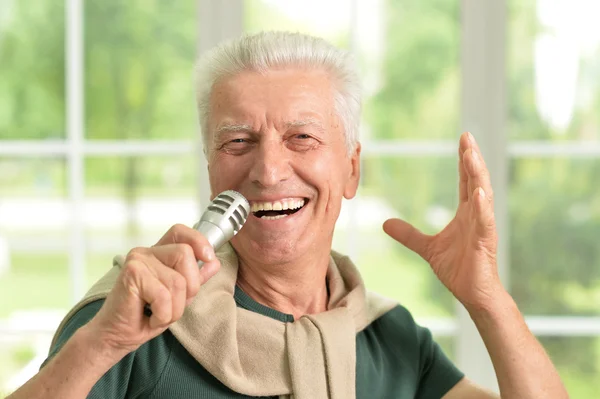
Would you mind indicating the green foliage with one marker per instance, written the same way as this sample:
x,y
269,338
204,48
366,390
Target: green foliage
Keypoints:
x,y
554,249
418,100
554,204
23,354
32,65
138,80
419,97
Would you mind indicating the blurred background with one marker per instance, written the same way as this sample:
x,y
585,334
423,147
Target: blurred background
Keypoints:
x,y
99,151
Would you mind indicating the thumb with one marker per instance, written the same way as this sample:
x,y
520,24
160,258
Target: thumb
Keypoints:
x,y
408,235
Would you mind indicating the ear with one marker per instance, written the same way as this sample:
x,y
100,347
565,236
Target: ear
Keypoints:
x,y
354,177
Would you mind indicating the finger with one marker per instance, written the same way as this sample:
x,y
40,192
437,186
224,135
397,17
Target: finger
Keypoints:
x,y
474,147
472,142
180,234
177,287
408,235
173,281
472,151
144,283
469,183
208,270
463,189
180,258
465,142
484,212
479,175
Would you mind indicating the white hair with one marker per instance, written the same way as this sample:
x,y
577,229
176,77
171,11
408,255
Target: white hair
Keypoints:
x,y
268,50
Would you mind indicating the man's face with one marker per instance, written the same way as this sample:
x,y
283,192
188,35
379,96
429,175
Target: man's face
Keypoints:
x,y
277,140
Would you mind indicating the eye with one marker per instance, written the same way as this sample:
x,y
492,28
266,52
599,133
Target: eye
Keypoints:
x,y
302,142
236,145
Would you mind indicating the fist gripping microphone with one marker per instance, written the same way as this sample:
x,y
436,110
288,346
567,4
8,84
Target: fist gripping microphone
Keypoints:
x,y
223,219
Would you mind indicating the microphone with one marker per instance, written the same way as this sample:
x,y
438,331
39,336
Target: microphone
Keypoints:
x,y
222,220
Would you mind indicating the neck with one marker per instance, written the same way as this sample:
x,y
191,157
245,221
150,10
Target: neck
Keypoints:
x,y
291,288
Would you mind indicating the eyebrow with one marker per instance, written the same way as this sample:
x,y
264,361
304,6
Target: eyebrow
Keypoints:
x,y
305,122
234,127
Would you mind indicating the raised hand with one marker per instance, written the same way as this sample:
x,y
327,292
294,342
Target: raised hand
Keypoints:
x,y
166,276
463,254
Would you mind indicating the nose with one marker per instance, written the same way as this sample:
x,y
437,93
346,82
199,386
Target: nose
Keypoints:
x,y
271,164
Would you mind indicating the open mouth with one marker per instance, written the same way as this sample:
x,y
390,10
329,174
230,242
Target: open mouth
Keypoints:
x,y
278,209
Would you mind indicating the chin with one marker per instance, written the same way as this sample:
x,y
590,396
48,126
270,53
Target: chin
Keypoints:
x,y
267,251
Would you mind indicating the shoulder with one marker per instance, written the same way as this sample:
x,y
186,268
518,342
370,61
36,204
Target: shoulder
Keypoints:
x,y
397,330
132,375
74,322
410,348
389,315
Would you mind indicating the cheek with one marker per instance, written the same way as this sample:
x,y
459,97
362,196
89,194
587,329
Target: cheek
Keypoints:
x,y
320,171
227,172
221,173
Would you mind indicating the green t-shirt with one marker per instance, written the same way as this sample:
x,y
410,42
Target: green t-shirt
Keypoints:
x,y
395,358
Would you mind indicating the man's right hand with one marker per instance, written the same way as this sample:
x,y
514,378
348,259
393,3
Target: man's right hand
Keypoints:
x,y
166,276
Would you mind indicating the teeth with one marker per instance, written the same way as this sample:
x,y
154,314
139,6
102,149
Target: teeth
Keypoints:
x,y
277,205
273,217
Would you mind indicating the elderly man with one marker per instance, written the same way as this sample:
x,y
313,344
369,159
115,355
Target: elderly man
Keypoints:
x,y
277,313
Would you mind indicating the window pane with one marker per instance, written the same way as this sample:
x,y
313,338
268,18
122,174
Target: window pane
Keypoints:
x,y
133,201
411,74
578,362
554,230
420,190
152,175
139,80
34,211
553,61
32,67
34,215
33,178
34,282
327,19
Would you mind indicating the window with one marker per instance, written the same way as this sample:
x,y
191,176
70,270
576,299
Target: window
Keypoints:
x,y
554,217
98,131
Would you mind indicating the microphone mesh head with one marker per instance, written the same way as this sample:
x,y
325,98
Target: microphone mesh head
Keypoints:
x,y
233,206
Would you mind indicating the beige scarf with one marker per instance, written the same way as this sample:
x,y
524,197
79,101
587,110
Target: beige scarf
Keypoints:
x,y
313,357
